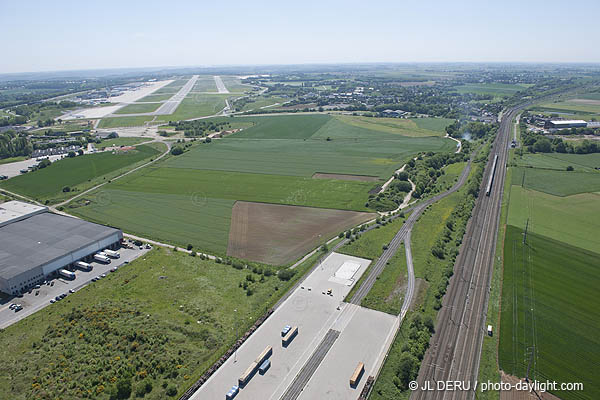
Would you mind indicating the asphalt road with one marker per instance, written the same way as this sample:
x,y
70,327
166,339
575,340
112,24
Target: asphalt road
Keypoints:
x,y
455,348
401,236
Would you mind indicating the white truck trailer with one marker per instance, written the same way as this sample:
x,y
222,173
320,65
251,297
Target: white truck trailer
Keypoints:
x,y
83,265
112,254
66,274
102,258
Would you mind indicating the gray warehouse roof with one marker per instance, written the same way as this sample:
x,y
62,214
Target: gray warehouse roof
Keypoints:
x,y
42,238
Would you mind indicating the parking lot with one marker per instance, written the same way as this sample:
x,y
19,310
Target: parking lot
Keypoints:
x,y
314,312
37,299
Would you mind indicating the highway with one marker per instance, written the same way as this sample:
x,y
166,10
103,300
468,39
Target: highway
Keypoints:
x,y
455,348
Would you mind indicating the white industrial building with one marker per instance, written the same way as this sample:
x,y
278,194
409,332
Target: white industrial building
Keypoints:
x,y
35,243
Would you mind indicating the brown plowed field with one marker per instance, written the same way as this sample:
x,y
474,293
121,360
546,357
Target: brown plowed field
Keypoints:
x,y
279,234
344,177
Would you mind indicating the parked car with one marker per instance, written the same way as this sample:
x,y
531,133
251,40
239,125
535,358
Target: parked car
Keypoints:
x,y
71,291
52,301
12,306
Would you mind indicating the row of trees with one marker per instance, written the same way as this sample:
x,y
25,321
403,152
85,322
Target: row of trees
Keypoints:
x,y
14,145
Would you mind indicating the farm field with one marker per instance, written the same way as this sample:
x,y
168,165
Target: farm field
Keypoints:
x,y
560,161
48,183
417,127
572,219
124,122
574,108
272,161
549,300
279,234
136,326
379,157
558,183
138,108
494,89
190,206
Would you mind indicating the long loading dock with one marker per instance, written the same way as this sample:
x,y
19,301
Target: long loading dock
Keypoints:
x,y
364,333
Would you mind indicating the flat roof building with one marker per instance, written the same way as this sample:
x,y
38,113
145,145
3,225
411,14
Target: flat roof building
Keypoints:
x,y
564,124
35,243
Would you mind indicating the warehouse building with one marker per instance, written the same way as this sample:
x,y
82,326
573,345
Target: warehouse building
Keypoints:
x,y
35,243
565,124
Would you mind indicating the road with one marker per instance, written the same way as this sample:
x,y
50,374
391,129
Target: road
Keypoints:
x,y
118,177
455,347
401,236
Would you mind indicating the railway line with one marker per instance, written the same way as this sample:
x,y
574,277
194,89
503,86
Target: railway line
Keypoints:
x,y
455,348
402,235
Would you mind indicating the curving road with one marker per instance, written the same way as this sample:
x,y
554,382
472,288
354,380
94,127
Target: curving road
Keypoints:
x,y
401,236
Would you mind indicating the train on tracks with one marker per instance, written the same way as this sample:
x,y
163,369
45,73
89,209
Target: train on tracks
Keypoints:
x,y
488,189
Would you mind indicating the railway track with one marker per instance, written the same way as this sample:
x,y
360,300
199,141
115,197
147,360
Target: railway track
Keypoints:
x,y
455,347
401,235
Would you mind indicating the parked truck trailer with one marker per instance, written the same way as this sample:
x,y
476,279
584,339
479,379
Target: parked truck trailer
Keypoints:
x,y
112,254
102,258
83,265
66,274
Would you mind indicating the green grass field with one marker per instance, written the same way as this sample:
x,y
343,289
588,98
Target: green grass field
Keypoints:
x,y
416,127
272,161
156,97
196,105
550,301
136,325
12,159
124,122
560,161
558,183
234,84
205,84
387,294
47,183
138,108
494,89
263,101
572,219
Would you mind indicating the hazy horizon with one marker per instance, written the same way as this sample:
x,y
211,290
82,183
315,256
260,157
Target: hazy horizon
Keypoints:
x,y
53,37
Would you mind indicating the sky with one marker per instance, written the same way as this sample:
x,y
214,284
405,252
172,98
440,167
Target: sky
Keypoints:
x,y
72,35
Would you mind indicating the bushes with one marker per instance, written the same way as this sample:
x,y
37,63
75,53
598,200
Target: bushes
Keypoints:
x,y
177,150
286,274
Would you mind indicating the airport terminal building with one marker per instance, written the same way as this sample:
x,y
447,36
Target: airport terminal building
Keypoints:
x,y
35,243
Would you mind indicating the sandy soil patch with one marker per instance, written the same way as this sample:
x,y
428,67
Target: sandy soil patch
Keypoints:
x,y
279,234
344,177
